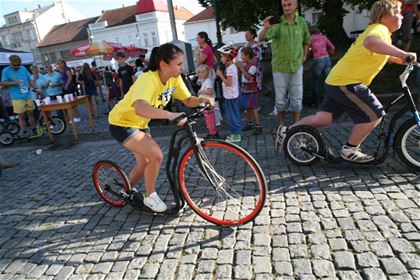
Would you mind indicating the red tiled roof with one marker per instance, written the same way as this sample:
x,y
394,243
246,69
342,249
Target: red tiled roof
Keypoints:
x,y
67,32
182,13
207,14
147,6
119,16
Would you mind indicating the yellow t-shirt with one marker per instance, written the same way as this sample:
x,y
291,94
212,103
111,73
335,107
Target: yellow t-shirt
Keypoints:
x,y
360,65
147,87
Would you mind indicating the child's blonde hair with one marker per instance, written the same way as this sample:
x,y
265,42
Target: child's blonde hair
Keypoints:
x,y
381,8
210,72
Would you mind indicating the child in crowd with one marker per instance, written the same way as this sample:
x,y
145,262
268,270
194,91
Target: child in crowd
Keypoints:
x,y
231,92
207,76
249,89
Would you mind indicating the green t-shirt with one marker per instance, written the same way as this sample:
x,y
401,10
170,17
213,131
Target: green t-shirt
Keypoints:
x,y
287,44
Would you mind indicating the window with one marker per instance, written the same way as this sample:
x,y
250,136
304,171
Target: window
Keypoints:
x,y
30,34
65,54
315,18
53,57
4,41
146,39
46,58
16,39
12,20
154,39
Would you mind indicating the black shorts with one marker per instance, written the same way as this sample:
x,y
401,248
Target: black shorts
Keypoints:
x,y
356,100
122,134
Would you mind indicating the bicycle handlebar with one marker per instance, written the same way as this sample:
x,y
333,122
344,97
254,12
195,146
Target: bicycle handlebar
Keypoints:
x,y
410,67
197,111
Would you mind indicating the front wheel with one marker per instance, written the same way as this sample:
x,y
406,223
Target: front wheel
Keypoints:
x,y
12,127
6,138
110,182
57,125
222,183
407,144
302,145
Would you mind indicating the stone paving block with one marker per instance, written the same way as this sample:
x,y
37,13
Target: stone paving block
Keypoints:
x,y
301,266
367,259
344,260
261,264
393,266
349,275
373,274
242,272
401,246
223,272
323,268
321,252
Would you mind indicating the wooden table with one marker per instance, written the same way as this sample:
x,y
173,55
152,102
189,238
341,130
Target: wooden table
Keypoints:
x,y
68,110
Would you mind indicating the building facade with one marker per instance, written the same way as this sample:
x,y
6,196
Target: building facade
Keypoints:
x,y
24,30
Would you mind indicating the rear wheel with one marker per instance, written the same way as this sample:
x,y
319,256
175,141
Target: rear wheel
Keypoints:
x,y
302,143
111,182
6,138
407,143
229,188
57,125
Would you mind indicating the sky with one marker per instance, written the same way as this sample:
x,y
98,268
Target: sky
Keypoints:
x,y
89,8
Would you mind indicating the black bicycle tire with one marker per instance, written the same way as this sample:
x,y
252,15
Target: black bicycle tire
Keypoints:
x,y
407,126
61,121
12,127
307,130
99,188
262,184
9,137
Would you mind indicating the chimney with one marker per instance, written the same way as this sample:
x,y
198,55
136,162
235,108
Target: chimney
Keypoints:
x,y
39,6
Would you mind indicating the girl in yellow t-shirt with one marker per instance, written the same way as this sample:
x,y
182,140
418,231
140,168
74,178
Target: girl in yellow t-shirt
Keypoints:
x,y
145,100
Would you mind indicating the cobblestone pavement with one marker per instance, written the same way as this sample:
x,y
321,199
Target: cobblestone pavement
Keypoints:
x,y
323,221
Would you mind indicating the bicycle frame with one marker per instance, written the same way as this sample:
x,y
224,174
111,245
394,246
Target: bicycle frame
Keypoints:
x,y
175,146
389,135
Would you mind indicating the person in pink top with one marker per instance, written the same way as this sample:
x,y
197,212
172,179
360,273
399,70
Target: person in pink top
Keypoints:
x,y
206,53
321,48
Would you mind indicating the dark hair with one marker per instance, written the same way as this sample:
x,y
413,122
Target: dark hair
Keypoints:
x,y
93,63
314,30
248,51
86,71
206,38
120,55
253,32
165,52
106,68
139,62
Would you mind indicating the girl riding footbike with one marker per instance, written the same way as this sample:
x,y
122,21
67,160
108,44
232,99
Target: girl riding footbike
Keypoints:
x,y
128,120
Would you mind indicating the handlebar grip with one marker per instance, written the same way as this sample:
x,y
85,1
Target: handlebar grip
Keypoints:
x,y
177,119
409,59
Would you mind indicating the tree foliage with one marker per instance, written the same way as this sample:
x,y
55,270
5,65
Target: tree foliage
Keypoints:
x,y
242,14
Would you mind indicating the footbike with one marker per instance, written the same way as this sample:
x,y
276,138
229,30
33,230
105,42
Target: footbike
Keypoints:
x,y
57,126
220,181
304,145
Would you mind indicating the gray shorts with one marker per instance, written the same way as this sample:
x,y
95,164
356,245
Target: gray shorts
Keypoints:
x,y
356,100
289,90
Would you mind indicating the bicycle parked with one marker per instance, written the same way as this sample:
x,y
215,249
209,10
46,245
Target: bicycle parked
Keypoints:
x,y
57,126
304,145
220,181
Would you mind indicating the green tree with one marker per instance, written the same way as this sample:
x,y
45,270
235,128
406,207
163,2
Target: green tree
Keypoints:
x,y
241,14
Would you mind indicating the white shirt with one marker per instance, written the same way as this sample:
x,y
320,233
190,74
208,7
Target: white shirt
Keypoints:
x,y
232,91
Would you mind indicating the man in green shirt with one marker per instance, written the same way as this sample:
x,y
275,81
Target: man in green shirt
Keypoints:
x,y
290,43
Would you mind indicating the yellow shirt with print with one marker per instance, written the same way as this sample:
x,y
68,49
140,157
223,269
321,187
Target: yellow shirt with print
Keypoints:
x,y
360,65
147,87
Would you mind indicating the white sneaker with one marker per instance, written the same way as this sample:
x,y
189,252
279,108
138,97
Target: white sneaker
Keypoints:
x,y
354,154
280,136
274,113
76,120
155,203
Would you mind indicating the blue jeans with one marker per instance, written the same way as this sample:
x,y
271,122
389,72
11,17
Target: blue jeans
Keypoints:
x,y
233,115
320,69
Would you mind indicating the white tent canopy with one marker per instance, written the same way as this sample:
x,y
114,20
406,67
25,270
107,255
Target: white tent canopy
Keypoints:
x,y
27,58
